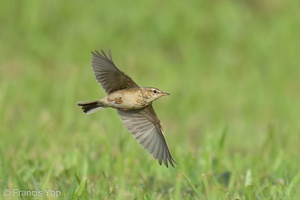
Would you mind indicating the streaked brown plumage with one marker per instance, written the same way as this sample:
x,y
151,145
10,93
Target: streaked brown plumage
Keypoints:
x,y
133,104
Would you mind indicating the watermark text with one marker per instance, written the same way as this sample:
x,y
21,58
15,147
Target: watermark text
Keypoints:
x,y
31,193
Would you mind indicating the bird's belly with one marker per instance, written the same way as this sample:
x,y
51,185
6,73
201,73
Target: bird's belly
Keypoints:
x,y
126,101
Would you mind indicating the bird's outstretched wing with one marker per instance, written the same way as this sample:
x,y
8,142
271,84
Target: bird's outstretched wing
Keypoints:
x,y
146,128
108,75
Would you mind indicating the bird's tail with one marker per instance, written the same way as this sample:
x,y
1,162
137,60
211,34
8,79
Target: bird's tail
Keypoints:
x,y
91,106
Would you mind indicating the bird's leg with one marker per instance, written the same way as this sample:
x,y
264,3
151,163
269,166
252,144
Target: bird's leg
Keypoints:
x,y
123,109
115,100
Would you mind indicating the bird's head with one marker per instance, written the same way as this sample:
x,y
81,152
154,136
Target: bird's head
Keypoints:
x,y
153,93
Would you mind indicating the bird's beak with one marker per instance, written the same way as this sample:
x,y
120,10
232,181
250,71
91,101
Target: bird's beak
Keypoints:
x,y
164,94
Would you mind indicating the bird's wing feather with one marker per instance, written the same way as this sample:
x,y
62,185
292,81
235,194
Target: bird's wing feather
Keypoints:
x,y
108,75
146,128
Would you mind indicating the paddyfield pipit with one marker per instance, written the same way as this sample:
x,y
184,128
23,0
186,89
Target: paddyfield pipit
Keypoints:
x,y
133,104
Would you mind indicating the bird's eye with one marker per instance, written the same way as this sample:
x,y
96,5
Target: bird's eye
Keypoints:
x,y
154,91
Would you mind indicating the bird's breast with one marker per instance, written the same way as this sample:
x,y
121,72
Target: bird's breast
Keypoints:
x,y
127,100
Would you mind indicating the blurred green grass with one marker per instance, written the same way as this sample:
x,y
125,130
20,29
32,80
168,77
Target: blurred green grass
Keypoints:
x,y
232,69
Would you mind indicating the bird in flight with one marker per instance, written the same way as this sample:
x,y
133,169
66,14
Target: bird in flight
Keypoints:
x,y
133,104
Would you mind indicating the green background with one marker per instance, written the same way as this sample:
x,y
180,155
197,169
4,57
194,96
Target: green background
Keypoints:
x,y
231,121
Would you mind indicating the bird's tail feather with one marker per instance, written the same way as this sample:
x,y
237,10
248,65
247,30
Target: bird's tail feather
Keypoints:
x,y
91,106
